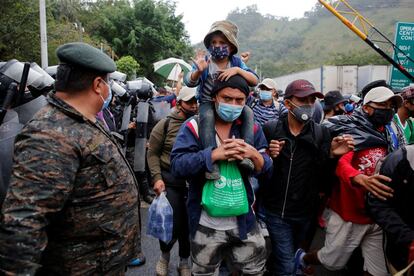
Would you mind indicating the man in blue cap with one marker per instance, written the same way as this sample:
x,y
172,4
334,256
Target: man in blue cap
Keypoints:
x,y
72,206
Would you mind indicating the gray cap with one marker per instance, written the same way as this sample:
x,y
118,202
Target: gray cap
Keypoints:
x,y
84,55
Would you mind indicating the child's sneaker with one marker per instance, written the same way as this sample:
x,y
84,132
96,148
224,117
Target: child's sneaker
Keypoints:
x,y
247,165
215,174
300,267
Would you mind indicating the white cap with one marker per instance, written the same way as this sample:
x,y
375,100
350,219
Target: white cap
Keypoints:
x,y
269,83
382,94
186,93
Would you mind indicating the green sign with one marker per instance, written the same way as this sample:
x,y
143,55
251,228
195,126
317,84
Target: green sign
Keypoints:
x,y
404,39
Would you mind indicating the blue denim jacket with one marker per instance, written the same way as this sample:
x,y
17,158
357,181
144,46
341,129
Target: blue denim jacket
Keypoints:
x,y
235,61
189,160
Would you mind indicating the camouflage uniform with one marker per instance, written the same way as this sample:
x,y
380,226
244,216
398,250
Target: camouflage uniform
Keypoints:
x,y
72,206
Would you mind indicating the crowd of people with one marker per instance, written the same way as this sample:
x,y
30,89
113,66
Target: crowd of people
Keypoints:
x,y
251,172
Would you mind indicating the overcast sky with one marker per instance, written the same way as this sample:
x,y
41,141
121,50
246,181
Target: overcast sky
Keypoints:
x,y
199,15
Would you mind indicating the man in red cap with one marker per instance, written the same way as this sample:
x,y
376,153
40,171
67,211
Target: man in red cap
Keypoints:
x,y
301,150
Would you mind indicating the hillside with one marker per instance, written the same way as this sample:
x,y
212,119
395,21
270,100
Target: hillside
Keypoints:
x,y
281,46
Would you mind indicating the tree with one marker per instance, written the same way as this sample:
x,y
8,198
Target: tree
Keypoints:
x,y
356,58
147,30
19,30
128,65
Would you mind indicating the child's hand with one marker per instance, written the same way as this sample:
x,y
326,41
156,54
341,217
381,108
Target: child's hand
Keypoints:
x,y
228,73
201,60
245,56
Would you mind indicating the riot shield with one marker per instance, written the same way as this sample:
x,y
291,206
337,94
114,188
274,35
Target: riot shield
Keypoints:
x,y
141,136
162,109
27,110
8,131
126,117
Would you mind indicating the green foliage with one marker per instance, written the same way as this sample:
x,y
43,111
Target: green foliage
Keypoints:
x,y
356,58
128,65
150,30
146,30
19,30
280,46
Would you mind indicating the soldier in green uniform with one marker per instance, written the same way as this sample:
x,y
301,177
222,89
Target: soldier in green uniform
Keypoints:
x,y
72,207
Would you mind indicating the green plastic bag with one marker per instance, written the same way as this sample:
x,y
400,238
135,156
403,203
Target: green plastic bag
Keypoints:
x,y
227,196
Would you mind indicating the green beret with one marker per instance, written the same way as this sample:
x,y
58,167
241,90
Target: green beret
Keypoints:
x,y
84,55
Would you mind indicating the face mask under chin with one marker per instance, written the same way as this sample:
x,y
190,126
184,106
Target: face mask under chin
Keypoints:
x,y
188,113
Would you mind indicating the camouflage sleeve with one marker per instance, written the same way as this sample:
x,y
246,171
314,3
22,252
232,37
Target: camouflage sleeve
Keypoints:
x,y
44,170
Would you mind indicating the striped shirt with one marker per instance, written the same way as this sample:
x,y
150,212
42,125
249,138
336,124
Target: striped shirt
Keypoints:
x,y
263,114
213,73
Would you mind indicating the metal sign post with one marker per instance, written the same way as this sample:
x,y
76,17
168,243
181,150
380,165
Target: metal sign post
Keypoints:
x,y
404,39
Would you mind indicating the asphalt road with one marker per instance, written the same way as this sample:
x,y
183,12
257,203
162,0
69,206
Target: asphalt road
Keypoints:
x,y
151,250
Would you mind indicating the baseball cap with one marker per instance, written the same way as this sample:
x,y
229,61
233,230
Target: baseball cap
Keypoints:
x,y
301,89
407,92
382,94
333,98
186,94
269,83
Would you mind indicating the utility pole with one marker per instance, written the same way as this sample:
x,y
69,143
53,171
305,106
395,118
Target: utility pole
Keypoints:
x,y
80,30
43,34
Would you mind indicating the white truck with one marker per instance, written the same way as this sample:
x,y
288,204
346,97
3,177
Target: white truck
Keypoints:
x,y
369,73
348,79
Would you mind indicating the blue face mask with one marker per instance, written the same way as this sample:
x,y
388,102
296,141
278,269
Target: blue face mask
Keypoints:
x,y
219,52
265,95
107,101
229,112
349,108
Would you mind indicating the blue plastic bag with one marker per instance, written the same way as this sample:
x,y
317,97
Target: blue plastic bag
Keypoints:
x,y
160,219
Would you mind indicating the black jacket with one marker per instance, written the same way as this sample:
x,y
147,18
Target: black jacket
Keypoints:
x,y
395,215
358,125
298,171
